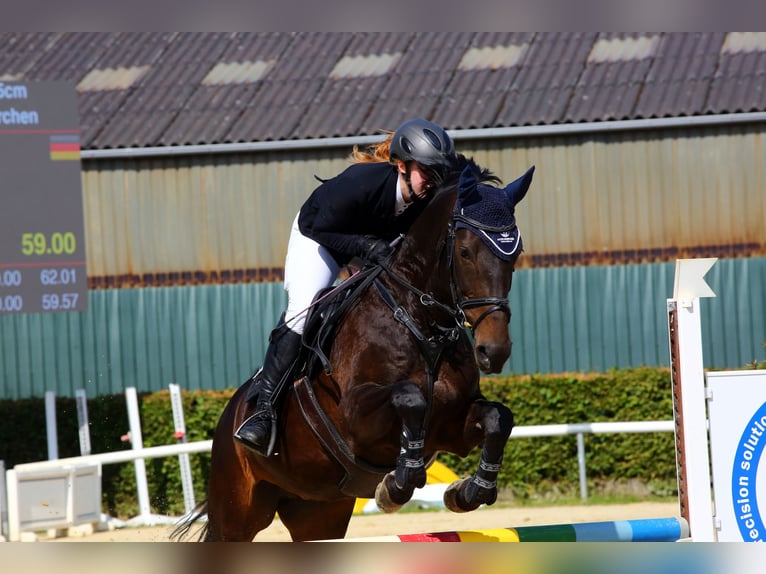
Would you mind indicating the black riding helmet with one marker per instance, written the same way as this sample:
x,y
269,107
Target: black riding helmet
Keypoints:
x,y
423,142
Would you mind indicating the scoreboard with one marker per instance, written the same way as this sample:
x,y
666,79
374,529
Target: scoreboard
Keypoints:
x,y
42,243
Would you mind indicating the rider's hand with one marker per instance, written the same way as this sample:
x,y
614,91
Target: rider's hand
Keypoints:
x,y
377,250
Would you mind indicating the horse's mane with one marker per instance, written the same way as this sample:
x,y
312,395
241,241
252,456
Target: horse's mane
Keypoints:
x,y
456,167
445,192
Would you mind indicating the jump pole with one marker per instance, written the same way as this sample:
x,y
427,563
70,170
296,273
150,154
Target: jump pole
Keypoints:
x,y
643,530
145,517
50,425
83,424
184,463
689,400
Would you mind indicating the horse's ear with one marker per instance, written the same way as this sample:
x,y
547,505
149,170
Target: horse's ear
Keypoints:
x,y
467,191
517,189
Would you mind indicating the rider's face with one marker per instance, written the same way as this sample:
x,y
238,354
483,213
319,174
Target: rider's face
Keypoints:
x,y
420,179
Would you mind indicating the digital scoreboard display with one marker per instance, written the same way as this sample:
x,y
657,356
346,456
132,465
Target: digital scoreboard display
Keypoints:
x,y
42,240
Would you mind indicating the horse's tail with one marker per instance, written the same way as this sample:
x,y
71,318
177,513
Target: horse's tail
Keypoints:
x,y
182,530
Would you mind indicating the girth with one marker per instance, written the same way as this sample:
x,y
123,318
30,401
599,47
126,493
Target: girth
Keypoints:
x,y
361,478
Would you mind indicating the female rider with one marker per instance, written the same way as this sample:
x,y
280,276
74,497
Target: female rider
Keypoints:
x,y
355,214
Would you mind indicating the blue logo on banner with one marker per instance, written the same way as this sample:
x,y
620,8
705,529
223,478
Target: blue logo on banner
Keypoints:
x,y
743,481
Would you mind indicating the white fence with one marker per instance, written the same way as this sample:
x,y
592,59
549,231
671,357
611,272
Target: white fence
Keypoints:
x,y
22,518
581,429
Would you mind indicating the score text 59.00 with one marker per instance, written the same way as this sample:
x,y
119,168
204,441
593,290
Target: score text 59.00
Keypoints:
x,y
57,243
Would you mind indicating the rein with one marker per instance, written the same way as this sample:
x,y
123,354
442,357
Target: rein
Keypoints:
x,y
432,347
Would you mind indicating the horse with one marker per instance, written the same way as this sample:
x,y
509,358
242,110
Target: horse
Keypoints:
x,y
401,383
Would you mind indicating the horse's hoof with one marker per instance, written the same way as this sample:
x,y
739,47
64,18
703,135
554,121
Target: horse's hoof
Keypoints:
x,y
453,499
383,498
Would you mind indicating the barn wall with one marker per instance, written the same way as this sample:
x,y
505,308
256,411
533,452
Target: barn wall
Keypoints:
x,y
617,198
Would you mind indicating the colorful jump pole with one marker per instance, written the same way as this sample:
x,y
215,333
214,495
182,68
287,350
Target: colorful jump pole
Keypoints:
x,y
643,530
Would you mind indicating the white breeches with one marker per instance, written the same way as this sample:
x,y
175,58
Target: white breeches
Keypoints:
x,y
309,267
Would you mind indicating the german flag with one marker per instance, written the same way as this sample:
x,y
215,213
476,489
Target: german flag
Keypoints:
x,y
65,147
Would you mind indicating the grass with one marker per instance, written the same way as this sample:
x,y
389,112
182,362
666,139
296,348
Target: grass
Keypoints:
x,y
593,499
505,499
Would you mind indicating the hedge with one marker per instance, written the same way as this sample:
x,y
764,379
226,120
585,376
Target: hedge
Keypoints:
x,y
533,467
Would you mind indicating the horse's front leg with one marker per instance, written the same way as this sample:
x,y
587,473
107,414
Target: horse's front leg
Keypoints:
x,y
398,486
495,421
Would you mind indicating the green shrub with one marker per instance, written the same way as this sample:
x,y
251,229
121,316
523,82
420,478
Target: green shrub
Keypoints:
x,y
539,467
533,467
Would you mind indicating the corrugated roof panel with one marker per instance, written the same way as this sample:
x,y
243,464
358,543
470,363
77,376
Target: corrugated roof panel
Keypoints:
x,y
237,72
419,82
279,107
739,84
743,42
364,66
622,49
128,50
208,115
369,94
164,92
136,129
211,110
186,61
680,75
111,78
492,57
343,104
21,51
311,55
543,86
485,73
263,116
343,108
96,110
71,56
609,86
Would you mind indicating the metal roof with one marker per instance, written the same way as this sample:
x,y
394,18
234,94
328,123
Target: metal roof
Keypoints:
x,y
153,89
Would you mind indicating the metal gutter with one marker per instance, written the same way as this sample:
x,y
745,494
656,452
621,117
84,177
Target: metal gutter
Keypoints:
x,y
458,135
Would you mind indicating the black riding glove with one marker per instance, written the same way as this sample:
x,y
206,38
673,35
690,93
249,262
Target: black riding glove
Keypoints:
x,y
377,250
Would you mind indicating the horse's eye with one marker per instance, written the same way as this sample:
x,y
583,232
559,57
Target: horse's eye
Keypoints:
x,y
465,253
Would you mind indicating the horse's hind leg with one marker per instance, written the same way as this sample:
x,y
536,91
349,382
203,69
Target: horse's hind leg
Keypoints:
x,y
496,422
316,520
239,506
397,487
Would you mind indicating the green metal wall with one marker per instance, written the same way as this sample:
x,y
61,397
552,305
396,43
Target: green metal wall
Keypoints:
x,y
208,337
595,318
212,337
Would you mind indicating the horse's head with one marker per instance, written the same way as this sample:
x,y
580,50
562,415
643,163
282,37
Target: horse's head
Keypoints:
x,y
485,246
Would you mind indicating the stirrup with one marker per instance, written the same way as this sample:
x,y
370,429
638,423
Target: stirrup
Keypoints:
x,y
272,436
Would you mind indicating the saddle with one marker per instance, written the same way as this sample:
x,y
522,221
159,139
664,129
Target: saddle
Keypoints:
x,y
325,313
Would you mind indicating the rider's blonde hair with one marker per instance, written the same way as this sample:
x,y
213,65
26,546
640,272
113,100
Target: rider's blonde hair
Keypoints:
x,y
375,153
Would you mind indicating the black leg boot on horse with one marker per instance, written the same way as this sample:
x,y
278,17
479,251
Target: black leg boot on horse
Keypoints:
x,y
258,432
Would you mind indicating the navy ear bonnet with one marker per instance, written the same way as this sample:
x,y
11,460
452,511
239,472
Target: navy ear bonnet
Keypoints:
x,y
489,211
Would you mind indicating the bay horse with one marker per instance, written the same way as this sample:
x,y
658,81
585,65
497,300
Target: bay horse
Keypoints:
x,y
401,381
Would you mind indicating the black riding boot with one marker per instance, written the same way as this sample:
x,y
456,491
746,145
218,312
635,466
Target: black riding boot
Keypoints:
x,y
256,431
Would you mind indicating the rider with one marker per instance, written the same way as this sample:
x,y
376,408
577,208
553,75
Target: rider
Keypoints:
x,y
356,213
